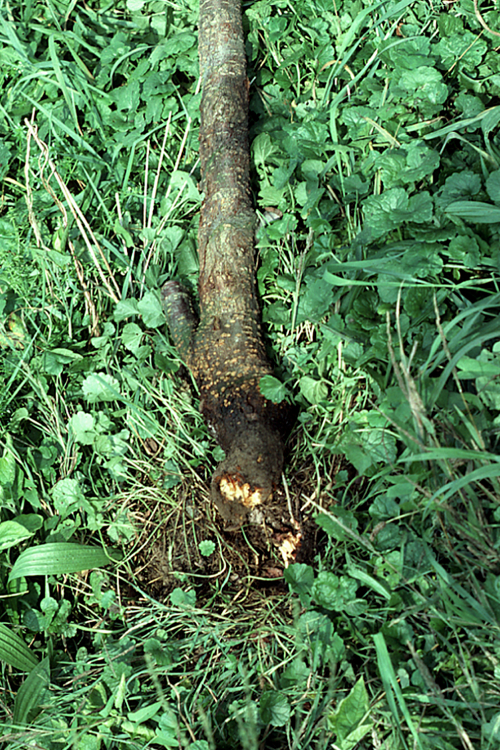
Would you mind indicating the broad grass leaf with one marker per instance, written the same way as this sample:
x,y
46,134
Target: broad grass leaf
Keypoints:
x,y
274,708
14,651
365,578
56,558
393,691
145,714
31,692
5,156
490,730
484,473
490,120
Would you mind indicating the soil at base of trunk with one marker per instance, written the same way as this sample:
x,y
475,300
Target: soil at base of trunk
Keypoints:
x,y
242,559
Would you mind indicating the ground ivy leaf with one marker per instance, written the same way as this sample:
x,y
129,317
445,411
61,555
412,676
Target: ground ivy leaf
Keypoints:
x,y
421,160
350,712
273,389
12,533
66,493
132,337
295,674
464,48
300,578
425,88
493,186
367,442
181,598
465,249
82,425
151,310
315,301
333,592
274,708
313,390
126,308
420,207
384,212
459,185
100,387
263,147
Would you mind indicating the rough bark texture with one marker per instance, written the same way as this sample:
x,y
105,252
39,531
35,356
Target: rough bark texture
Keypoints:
x,y
225,350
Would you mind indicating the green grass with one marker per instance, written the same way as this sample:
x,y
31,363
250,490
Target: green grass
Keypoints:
x,y
376,172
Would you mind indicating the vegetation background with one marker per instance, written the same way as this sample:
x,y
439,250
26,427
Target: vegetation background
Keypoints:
x,y
376,175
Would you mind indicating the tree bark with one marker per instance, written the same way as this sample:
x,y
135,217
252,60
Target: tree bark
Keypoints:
x,y
224,349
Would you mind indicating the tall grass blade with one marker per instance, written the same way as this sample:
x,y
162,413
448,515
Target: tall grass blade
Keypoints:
x,y
392,688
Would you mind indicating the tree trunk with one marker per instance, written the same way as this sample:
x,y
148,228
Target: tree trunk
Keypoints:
x,y
224,349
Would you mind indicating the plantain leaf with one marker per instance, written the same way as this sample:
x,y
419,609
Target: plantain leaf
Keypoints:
x,y
59,557
14,651
31,691
477,211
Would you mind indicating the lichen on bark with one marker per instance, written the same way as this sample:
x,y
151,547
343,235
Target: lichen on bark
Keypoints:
x,y
224,349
